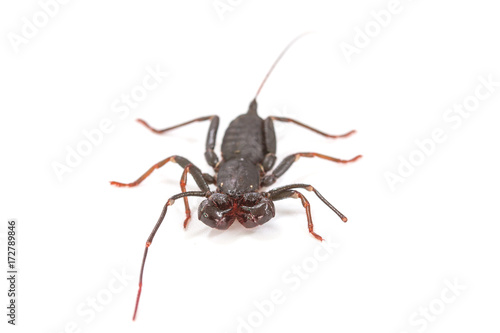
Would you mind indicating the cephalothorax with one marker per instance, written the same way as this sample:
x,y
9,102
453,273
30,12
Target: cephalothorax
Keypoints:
x,y
248,156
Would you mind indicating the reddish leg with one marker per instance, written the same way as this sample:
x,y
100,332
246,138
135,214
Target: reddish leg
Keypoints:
x,y
208,179
183,162
289,120
174,127
146,174
183,188
210,155
284,192
289,160
305,203
325,157
307,206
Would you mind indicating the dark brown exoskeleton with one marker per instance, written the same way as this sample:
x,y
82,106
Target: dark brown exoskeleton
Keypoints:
x,y
248,155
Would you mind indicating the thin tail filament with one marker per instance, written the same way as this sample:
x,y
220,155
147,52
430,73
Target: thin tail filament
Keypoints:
x,y
278,59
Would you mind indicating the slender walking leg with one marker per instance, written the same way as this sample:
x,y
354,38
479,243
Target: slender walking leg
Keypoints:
x,y
275,193
183,162
183,189
210,155
289,120
305,203
289,160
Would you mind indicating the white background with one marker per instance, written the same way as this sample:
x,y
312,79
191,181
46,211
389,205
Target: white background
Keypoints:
x,y
395,253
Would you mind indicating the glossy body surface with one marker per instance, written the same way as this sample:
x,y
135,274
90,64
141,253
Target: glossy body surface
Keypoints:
x,y
248,154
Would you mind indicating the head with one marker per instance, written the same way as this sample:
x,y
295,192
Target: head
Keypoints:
x,y
250,209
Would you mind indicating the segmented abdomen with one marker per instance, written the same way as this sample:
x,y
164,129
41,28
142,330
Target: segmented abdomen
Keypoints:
x,y
244,138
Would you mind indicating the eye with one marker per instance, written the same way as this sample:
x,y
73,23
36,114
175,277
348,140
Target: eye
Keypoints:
x,y
205,215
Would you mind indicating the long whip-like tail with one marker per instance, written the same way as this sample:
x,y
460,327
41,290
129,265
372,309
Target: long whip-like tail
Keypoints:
x,y
278,59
